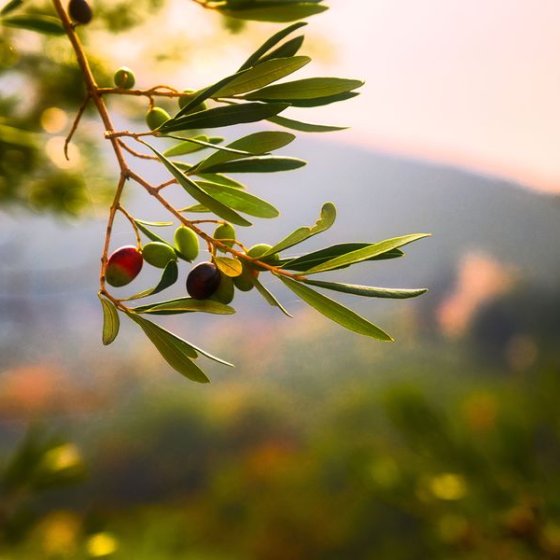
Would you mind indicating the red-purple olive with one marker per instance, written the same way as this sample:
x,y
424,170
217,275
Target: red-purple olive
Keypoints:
x,y
203,280
80,11
123,266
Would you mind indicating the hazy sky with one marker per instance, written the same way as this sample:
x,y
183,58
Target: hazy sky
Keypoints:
x,y
472,83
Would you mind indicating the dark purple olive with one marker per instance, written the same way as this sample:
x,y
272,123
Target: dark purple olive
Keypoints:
x,y
80,11
203,280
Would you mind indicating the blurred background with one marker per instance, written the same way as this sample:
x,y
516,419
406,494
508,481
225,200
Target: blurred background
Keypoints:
x,y
319,444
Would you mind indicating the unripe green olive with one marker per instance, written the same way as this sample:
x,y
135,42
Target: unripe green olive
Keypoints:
x,y
245,281
80,11
124,78
158,254
156,116
186,243
225,291
123,266
203,280
225,233
257,250
184,99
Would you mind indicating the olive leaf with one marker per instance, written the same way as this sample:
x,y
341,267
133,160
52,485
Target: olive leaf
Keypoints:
x,y
325,221
185,305
304,127
111,321
335,311
269,297
366,291
168,278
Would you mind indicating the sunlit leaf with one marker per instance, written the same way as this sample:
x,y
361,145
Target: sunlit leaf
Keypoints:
x,y
320,101
315,258
325,221
35,22
367,291
270,43
239,200
367,252
289,48
200,195
335,311
205,144
258,143
230,267
168,278
175,351
224,116
257,164
141,225
276,11
262,74
269,297
185,305
308,88
304,127
111,321
191,145
10,7
153,224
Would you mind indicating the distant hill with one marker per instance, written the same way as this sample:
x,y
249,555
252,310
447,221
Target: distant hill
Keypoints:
x,y
49,270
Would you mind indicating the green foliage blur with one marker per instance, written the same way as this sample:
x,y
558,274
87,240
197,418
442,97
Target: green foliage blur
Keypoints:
x,y
445,458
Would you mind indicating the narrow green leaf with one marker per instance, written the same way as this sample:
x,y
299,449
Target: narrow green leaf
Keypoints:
x,y
203,144
35,22
221,180
189,147
325,221
174,350
304,127
367,291
239,200
258,143
185,305
367,252
224,116
196,208
10,7
200,195
308,88
276,12
269,297
289,48
261,75
315,258
270,43
140,224
335,311
321,101
257,164
205,94
168,278
153,224
111,321
230,267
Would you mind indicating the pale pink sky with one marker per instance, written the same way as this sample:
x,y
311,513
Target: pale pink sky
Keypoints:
x,y
474,83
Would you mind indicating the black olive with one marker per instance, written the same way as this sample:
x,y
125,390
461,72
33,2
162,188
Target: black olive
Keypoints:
x,y
203,280
80,11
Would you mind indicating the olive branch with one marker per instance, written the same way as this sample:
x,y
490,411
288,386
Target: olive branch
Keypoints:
x,y
256,92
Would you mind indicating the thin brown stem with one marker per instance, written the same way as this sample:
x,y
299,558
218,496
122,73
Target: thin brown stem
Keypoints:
x,y
75,125
133,152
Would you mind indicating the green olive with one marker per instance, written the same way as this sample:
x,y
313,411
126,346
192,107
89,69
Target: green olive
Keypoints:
x,y
124,78
156,116
226,234
186,243
224,293
185,99
158,254
257,250
245,282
